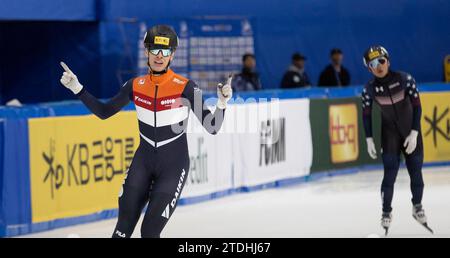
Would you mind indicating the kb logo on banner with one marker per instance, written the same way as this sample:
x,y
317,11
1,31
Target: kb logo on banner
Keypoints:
x,y
272,144
87,163
439,125
76,172
343,130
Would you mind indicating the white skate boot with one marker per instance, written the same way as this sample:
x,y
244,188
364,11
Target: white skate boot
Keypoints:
x,y
386,219
419,215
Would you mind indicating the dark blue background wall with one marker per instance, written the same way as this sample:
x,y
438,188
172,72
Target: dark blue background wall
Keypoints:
x,y
31,52
417,34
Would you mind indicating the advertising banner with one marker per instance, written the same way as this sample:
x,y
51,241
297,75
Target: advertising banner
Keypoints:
x,y
435,125
277,143
77,163
338,134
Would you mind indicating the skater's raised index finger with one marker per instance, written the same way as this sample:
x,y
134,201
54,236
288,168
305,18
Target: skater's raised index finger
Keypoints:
x,y
65,67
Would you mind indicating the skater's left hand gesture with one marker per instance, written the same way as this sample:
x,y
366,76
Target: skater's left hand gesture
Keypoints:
x,y
70,80
411,142
224,93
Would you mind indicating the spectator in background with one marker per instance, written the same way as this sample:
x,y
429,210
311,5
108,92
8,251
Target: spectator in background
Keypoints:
x,y
296,76
248,79
335,74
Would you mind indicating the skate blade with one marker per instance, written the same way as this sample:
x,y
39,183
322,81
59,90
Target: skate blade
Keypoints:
x,y
386,231
425,225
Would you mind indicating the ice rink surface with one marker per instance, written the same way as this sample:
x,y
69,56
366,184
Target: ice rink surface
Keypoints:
x,y
340,206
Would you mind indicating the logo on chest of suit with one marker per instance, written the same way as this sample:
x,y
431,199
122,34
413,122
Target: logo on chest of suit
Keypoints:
x,y
178,81
379,89
141,81
168,101
394,85
139,99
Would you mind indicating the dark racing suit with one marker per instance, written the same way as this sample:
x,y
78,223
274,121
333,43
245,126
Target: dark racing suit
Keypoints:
x,y
398,98
160,165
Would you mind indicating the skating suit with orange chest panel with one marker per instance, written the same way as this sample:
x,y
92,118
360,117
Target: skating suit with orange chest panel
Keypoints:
x,y
163,103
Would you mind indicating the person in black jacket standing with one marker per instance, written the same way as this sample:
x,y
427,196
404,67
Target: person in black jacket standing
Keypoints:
x,y
335,74
397,95
295,76
248,79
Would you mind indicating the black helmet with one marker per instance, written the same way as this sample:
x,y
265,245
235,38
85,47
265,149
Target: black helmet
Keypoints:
x,y
374,52
161,36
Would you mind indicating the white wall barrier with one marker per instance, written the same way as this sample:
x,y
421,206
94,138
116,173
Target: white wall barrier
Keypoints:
x,y
259,143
